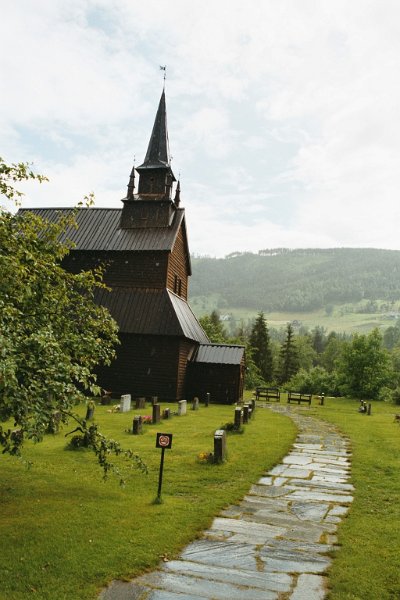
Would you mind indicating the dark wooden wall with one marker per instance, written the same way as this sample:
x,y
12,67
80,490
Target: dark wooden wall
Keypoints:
x,y
223,382
148,366
178,267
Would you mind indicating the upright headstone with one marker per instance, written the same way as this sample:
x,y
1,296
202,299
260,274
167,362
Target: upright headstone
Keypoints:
x,y
125,404
156,413
238,417
137,425
246,413
182,407
219,445
369,408
253,404
90,411
207,400
166,413
195,403
141,402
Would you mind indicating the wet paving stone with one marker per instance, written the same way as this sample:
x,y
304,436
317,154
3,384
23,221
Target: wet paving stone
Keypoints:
x,y
273,544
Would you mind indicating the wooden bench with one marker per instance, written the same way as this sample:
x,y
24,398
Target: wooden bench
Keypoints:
x,y
298,397
268,393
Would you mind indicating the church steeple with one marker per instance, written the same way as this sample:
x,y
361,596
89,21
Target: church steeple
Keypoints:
x,y
152,205
156,176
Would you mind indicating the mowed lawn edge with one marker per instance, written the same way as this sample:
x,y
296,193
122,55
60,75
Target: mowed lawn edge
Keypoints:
x,y
66,533
366,565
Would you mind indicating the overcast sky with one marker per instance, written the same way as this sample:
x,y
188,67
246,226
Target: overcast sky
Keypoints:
x,y
283,115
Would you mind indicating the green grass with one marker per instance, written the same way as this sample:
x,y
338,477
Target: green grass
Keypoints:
x,y
65,533
367,566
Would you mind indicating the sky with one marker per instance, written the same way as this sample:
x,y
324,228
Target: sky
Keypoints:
x,y
283,115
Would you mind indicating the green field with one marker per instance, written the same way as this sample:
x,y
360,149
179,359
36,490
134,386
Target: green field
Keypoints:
x,y
65,533
340,320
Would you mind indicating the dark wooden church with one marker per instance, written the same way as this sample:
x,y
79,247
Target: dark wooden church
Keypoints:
x,y
164,351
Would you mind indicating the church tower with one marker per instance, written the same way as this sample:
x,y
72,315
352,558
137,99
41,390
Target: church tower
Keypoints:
x,y
152,206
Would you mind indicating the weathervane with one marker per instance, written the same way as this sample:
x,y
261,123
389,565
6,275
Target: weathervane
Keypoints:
x,y
164,68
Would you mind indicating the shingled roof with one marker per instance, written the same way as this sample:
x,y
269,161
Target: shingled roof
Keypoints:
x,y
151,312
99,229
219,354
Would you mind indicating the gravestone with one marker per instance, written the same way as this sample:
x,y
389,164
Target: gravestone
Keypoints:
x,y
238,417
219,445
246,413
182,407
137,425
141,402
253,404
166,413
90,411
207,400
195,404
125,404
156,413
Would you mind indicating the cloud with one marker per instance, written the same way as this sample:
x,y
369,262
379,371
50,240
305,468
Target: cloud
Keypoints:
x,y
282,115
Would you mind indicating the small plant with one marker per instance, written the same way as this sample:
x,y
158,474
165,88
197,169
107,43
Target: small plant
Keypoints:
x,y
147,419
206,457
232,428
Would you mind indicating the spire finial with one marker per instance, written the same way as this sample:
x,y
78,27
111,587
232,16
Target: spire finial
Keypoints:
x,y
164,68
177,198
131,184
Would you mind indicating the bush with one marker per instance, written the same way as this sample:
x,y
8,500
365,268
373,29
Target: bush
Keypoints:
x,y
315,381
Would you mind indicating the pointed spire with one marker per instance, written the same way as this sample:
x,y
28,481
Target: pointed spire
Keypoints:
x,y
131,184
177,198
158,154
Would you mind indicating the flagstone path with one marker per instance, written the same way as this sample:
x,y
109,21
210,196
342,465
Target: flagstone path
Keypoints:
x,y
275,543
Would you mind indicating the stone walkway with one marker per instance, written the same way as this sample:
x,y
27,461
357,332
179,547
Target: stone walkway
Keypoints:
x,y
275,543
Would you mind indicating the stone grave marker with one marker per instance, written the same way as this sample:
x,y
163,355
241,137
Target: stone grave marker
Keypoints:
x,y
246,413
137,425
207,400
182,407
195,403
238,417
219,445
141,402
125,404
166,413
156,413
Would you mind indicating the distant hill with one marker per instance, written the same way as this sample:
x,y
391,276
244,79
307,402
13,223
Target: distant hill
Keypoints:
x,y
297,280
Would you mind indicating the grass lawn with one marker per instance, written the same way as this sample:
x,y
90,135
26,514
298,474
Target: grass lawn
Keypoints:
x,y
65,533
367,566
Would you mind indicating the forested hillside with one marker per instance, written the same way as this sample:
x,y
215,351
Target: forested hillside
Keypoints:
x,y
298,280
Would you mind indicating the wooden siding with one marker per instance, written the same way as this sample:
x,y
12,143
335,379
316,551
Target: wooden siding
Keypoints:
x,y
145,366
123,269
178,267
223,382
186,349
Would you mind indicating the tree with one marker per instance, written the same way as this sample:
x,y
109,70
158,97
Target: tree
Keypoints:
x,y
288,357
52,333
213,327
261,347
364,368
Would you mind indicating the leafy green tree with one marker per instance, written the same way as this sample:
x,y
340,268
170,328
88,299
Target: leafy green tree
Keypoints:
x,y
364,367
213,327
332,351
315,381
305,351
288,357
52,334
261,347
318,339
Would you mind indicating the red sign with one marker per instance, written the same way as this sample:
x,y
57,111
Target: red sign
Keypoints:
x,y
164,440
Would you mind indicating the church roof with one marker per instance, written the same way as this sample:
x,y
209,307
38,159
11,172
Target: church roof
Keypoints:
x,y
99,230
151,312
219,354
158,154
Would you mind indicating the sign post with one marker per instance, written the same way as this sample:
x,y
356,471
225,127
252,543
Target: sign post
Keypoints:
x,y
163,441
